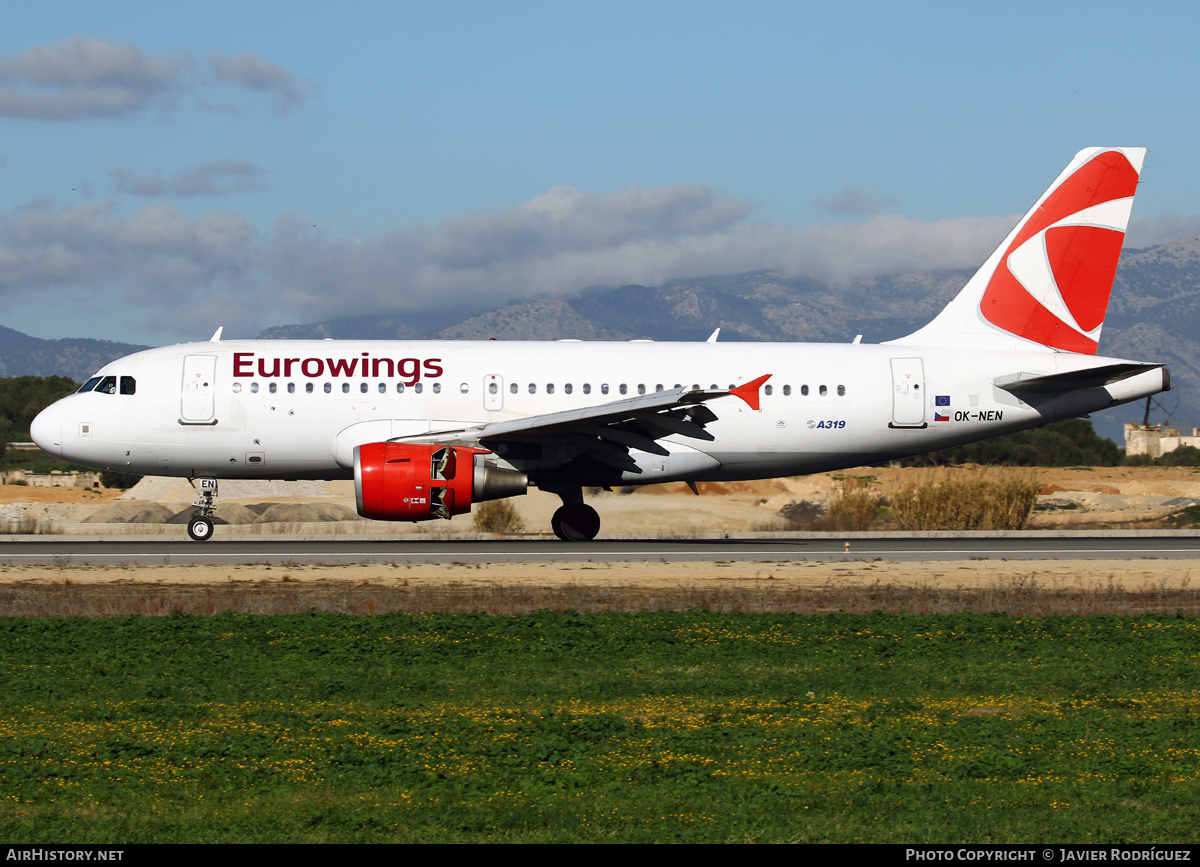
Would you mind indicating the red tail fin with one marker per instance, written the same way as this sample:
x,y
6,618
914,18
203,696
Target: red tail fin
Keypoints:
x,y
1050,281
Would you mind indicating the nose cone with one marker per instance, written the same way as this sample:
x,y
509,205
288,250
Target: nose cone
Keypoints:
x,y
46,430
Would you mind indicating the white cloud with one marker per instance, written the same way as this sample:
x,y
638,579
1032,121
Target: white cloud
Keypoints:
x,y
256,73
83,77
1147,232
219,178
853,202
156,259
164,266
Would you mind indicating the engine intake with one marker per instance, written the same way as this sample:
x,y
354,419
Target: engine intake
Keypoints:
x,y
413,482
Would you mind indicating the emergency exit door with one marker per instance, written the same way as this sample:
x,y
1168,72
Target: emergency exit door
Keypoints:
x,y
493,393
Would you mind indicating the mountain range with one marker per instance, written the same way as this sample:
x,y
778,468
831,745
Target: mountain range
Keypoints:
x,y
1154,315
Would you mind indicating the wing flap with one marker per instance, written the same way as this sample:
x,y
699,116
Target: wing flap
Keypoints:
x,y
607,432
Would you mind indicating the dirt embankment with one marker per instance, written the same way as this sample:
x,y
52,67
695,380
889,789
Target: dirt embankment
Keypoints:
x,y
1072,498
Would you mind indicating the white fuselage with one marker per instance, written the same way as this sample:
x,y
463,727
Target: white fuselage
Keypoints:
x,y
297,409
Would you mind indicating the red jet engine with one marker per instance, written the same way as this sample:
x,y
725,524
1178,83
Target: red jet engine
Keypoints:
x,y
413,482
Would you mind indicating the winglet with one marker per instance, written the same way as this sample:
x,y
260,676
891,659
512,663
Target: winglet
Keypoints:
x,y
748,391
216,338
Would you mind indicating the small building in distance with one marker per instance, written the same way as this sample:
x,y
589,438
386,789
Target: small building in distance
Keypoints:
x,y
1156,441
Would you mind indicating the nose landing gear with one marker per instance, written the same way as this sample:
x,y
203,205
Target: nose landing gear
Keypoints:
x,y
200,527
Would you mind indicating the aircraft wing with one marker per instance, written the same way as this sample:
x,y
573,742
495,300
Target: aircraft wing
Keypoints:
x,y
606,432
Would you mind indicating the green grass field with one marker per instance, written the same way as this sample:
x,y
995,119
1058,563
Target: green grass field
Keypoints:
x,y
556,726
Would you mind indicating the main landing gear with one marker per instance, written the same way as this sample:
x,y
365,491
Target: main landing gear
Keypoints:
x,y
575,520
200,527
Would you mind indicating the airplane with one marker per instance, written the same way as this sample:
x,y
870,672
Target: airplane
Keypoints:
x,y
428,428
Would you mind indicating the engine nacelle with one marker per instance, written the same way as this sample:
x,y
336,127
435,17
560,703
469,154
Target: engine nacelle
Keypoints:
x,y
413,482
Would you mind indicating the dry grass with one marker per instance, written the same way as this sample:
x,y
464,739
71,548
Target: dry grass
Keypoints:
x,y
853,504
498,516
966,500
1022,597
29,526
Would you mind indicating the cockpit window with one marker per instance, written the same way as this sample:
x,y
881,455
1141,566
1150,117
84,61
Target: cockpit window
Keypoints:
x,y
89,385
108,385
128,385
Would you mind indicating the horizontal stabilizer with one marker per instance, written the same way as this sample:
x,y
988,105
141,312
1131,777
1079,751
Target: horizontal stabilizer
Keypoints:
x,y
1092,377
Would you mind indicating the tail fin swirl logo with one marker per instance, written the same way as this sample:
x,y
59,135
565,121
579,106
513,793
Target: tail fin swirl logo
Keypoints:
x,y
1053,282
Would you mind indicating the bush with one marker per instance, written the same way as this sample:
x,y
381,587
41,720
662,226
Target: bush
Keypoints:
x,y
1184,456
959,501
1138,461
497,516
801,514
1072,443
124,481
853,504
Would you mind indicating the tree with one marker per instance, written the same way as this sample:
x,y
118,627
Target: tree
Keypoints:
x,y
1072,443
23,397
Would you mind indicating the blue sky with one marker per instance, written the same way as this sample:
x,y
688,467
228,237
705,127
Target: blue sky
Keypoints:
x,y
167,168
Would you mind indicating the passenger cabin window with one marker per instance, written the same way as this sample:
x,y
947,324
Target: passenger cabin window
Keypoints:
x,y
272,388
787,389
624,389
841,391
804,390
604,388
824,391
437,388
768,390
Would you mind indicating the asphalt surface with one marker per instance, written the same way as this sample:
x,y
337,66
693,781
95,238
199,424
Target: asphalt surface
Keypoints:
x,y
160,551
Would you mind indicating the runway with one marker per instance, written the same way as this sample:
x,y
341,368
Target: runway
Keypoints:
x,y
110,551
